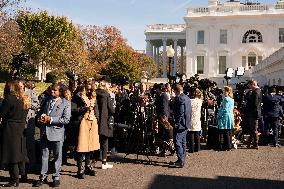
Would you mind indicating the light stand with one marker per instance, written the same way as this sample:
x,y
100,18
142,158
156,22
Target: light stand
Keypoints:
x,y
229,75
170,55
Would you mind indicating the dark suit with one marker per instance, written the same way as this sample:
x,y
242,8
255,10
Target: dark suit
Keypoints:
x,y
52,134
182,117
272,111
253,114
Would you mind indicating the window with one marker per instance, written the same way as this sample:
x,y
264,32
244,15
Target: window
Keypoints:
x,y
273,82
251,59
200,64
259,59
281,35
200,37
244,61
223,36
252,36
222,64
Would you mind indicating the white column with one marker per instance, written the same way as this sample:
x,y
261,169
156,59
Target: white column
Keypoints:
x,y
181,60
158,60
152,51
174,69
148,47
164,58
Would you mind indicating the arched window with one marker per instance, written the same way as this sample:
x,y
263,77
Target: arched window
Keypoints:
x,y
252,36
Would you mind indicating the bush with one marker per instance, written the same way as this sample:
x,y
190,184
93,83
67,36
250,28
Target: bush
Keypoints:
x,y
52,77
4,75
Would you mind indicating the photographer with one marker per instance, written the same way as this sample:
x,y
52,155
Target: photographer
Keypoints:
x,y
272,112
162,110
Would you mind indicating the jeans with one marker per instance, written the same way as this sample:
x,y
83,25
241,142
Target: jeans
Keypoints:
x,y
180,144
46,147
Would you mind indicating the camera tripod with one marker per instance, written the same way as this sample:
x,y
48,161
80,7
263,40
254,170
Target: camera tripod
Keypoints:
x,y
140,136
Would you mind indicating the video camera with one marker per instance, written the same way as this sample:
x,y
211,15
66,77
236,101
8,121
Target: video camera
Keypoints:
x,y
16,65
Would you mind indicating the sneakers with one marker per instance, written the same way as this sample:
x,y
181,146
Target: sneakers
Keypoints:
x,y
107,166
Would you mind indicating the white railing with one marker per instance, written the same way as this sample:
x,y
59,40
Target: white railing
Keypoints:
x,y
224,9
172,27
234,8
253,7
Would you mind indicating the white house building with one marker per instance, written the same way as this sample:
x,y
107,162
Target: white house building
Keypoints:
x,y
223,35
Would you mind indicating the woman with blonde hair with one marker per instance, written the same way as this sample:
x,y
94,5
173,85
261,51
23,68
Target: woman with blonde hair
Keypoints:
x,y
106,110
84,119
225,119
195,127
13,113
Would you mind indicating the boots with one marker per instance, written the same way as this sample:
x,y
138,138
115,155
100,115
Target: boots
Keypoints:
x,y
81,168
11,183
88,165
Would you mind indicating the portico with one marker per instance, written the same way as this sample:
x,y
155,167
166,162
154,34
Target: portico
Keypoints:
x,y
158,38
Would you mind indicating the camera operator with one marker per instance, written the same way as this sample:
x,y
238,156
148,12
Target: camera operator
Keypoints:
x,y
272,112
162,110
253,112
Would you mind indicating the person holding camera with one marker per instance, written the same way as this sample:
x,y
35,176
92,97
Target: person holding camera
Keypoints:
x,y
54,114
163,113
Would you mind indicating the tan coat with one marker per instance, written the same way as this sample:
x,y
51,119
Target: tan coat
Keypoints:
x,y
88,139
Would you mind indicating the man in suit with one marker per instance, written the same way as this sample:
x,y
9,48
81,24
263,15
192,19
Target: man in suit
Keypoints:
x,y
253,112
54,114
182,117
272,112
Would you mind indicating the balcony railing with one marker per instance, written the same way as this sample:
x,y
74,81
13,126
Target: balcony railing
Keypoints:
x,y
253,7
234,9
163,27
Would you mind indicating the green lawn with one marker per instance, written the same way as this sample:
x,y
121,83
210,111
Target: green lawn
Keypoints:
x,y
40,87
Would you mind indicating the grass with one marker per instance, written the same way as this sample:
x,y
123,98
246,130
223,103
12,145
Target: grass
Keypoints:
x,y
40,87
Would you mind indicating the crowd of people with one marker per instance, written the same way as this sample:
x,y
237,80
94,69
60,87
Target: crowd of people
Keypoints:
x,y
83,118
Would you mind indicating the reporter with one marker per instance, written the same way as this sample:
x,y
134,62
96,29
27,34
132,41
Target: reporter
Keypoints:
x,y
225,119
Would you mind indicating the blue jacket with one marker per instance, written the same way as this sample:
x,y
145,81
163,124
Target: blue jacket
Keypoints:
x,y
60,116
182,112
225,117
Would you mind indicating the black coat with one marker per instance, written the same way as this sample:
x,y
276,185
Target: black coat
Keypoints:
x,y
162,105
272,105
12,140
253,105
106,110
